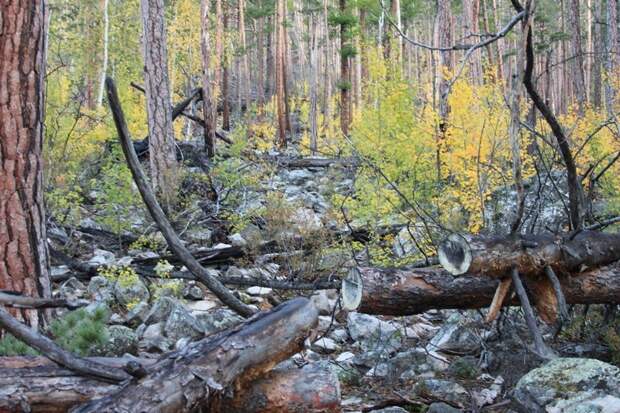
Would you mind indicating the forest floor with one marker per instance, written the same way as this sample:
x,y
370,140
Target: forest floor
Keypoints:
x,y
272,219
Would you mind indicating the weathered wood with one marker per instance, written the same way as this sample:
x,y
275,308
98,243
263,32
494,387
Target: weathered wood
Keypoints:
x,y
20,301
498,299
197,375
37,385
407,292
311,389
495,257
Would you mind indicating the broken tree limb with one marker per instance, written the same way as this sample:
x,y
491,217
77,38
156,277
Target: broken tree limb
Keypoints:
x,y
540,348
173,240
197,375
54,352
21,301
407,292
495,257
36,385
498,299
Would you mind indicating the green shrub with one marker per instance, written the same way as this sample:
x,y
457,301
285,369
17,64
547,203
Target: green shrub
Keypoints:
x,y
81,332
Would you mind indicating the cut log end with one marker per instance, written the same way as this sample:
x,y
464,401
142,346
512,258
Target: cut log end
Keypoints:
x,y
351,290
455,254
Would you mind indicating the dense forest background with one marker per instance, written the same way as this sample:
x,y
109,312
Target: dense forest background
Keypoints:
x,y
398,84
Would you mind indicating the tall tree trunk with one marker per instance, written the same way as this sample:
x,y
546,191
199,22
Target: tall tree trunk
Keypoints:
x,y
327,82
280,79
397,38
471,9
597,57
345,76
244,81
162,150
611,58
260,51
23,247
104,65
498,44
207,77
225,85
577,50
314,84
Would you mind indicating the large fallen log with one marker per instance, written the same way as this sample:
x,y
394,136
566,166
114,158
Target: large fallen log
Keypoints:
x,y
198,375
35,384
529,254
407,292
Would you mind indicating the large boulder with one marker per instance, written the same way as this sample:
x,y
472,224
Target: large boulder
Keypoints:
x,y
131,294
439,389
456,336
181,324
570,385
121,340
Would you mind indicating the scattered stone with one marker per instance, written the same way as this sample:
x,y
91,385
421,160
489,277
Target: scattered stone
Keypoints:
x,y
131,294
102,257
181,324
57,271
373,333
138,314
219,319
200,236
346,356
193,292
442,407
121,340
391,409
237,240
153,339
100,289
340,335
72,289
379,370
439,389
455,336
201,306
325,345
322,302
160,310
259,291
570,385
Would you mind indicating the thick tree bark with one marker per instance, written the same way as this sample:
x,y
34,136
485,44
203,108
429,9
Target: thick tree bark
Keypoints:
x,y
23,247
36,385
197,375
402,292
162,150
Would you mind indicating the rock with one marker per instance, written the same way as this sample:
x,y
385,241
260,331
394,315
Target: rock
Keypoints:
x,y
373,333
326,322
299,176
259,291
182,343
181,324
193,292
100,289
407,241
415,359
237,240
153,339
72,289
325,345
378,370
344,357
201,306
200,236
322,302
391,409
102,257
219,319
455,336
439,389
57,271
160,310
305,219
340,335
132,293
442,407
138,314
121,340
570,385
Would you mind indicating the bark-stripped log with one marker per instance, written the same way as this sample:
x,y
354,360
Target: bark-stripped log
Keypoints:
x,y
495,257
401,292
35,384
197,375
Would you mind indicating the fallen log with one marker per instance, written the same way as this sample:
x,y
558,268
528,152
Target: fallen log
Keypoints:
x,y
406,292
199,374
529,254
35,384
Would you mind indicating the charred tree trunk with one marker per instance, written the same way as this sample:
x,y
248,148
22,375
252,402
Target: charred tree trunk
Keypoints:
x,y
23,247
197,375
36,385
